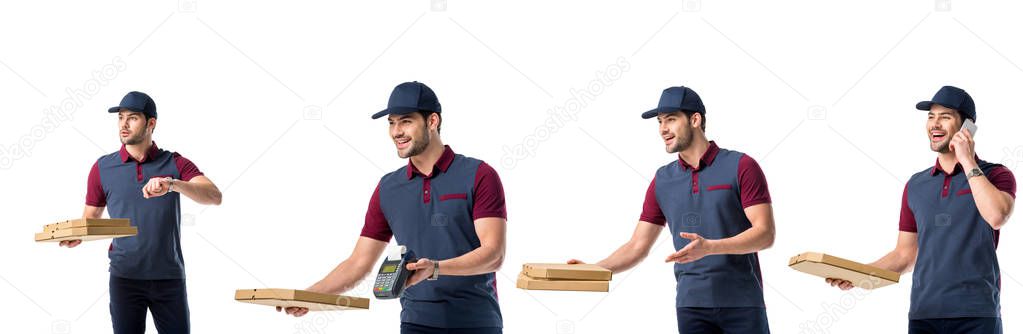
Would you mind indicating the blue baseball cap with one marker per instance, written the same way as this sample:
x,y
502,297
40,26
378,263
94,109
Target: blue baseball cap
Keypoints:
x,y
676,99
137,102
952,98
410,97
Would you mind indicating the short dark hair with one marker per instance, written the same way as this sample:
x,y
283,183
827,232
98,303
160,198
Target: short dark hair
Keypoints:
x,y
426,118
703,118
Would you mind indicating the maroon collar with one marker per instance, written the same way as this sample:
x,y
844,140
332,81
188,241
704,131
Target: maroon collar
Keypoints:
x,y
958,168
442,164
705,160
125,156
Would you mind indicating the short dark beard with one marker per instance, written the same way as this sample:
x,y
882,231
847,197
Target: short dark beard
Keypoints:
x,y
419,144
944,148
135,140
682,143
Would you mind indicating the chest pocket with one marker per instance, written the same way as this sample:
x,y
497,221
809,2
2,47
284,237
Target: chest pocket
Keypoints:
x,y
449,208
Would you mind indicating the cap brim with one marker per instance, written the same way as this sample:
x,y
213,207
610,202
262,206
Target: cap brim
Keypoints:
x,y
664,110
657,111
924,105
395,111
118,109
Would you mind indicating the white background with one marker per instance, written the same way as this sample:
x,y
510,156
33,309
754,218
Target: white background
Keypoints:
x,y
272,102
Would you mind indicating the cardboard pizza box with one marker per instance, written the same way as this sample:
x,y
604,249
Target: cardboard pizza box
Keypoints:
x,y
300,298
529,283
86,233
87,222
827,266
585,272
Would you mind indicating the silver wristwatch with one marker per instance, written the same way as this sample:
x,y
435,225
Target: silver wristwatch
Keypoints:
x,y
974,172
436,271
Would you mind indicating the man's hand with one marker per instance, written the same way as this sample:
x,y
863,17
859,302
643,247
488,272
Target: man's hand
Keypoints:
x,y
156,187
574,261
697,248
299,311
294,311
963,146
70,243
423,270
840,283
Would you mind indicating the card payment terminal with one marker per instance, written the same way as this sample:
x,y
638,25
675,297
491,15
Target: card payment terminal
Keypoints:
x,y
392,275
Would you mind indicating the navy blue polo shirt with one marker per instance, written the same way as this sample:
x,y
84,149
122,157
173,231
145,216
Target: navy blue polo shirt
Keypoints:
x,y
709,200
116,182
956,273
433,214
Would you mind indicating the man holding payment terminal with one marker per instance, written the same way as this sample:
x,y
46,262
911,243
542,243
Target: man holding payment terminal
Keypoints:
x,y
448,209
949,226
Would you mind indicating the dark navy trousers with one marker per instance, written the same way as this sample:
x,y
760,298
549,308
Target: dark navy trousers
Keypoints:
x,y
166,299
722,320
956,326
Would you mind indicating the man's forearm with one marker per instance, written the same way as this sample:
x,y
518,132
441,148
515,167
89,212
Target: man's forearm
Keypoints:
x,y
482,260
751,240
895,261
344,277
202,193
994,205
624,258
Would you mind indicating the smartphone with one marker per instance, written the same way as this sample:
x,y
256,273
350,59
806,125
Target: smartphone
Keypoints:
x,y
968,125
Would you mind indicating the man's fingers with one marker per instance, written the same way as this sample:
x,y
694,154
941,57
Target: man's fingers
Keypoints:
x,y
421,264
574,261
690,236
676,255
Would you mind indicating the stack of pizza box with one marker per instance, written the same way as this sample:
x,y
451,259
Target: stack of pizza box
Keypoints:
x,y
86,229
564,277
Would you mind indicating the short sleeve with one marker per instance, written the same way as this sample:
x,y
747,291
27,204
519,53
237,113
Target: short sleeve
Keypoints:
x,y
651,210
186,169
488,194
1003,179
907,222
94,195
376,226
752,183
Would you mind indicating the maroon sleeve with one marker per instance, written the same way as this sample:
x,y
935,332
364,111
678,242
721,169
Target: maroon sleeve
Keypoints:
x,y
94,195
1003,179
186,168
907,223
651,210
376,224
752,183
488,194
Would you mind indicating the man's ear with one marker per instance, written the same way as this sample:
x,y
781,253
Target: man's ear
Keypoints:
x,y
433,121
695,120
151,124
